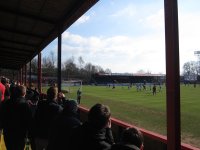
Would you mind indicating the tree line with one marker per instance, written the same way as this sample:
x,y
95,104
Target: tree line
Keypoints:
x,y
191,70
70,70
79,69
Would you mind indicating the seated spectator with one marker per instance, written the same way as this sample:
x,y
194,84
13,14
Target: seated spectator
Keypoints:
x,y
132,139
95,134
63,125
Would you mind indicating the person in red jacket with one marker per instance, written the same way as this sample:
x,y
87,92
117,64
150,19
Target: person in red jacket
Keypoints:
x,y
2,91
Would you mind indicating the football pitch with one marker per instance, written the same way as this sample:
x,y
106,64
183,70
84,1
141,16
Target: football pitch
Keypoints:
x,y
145,110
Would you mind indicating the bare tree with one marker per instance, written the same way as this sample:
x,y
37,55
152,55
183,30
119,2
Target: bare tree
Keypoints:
x,y
34,65
52,58
81,62
190,70
141,71
108,71
70,67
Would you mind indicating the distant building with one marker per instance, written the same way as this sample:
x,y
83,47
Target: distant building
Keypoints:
x,y
119,78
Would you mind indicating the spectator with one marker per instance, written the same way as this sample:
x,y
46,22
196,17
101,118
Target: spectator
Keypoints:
x,y
32,98
132,139
46,112
16,119
0,96
7,91
60,133
79,96
95,134
62,99
2,89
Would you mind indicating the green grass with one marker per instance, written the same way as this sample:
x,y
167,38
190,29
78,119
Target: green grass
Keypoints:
x,y
145,110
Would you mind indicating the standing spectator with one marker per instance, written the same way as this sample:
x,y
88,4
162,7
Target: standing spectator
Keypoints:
x,y
16,120
95,134
132,139
79,96
0,96
32,97
0,117
7,91
46,112
63,126
2,90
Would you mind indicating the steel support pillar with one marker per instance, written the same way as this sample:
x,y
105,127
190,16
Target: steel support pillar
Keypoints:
x,y
25,75
59,60
22,75
172,75
13,75
39,73
30,75
18,76
20,72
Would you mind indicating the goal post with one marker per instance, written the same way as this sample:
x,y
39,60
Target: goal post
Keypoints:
x,y
71,85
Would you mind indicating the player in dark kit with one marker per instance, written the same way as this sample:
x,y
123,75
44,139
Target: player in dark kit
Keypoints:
x,y
154,89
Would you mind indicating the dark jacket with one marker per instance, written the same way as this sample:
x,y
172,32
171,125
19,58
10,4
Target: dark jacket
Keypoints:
x,y
87,137
124,147
16,122
16,117
46,112
62,131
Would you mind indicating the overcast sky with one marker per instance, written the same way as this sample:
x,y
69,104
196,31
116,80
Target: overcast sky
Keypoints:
x,y
128,35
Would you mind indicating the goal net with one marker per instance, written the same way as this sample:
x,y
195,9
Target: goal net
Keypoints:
x,y
72,85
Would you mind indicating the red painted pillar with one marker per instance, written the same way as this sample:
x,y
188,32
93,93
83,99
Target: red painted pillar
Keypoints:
x,y
172,75
39,72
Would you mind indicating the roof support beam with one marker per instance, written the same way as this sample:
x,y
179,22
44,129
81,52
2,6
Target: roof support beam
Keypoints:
x,y
172,75
11,62
25,15
17,42
14,31
17,58
17,50
68,19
